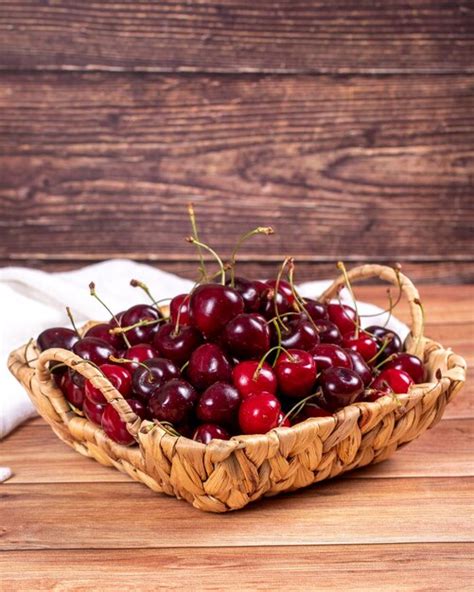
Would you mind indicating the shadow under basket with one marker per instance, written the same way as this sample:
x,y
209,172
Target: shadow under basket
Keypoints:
x,y
227,475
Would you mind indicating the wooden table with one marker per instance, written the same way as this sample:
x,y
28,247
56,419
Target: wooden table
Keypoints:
x,y
405,524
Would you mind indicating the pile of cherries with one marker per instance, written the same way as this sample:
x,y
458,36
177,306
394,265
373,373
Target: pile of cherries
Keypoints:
x,y
237,358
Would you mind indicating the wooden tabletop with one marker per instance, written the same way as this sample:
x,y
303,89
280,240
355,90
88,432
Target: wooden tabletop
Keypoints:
x,y
406,524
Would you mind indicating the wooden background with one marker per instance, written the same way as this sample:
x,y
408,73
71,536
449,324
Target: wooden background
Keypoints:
x,y
348,125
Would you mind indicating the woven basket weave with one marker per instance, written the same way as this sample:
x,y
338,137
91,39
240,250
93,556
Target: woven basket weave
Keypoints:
x,y
227,475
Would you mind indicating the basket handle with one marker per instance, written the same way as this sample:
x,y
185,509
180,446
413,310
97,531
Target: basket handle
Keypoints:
x,y
90,372
415,340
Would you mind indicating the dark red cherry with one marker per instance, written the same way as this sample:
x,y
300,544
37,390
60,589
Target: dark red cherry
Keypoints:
x,y
283,421
120,378
136,314
409,364
362,343
213,306
218,404
246,336
329,355
155,372
210,431
248,381
251,293
269,307
314,410
179,307
296,373
141,352
360,367
316,310
94,349
73,393
299,333
284,288
328,332
343,316
57,337
340,387
93,411
208,364
173,402
177,345
393,380
388,340
115,428
258,414
102,331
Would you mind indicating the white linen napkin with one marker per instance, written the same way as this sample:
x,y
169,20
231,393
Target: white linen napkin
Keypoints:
x,y
33,300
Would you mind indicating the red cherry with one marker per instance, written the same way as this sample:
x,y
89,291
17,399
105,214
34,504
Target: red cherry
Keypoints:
x,y
388,339
246,336
316,310
244,381
93,411
259,413
102,331
283,424
328,355
296,373
251,292
136,314
218,404
284,288
364,344
115,428
73,393
409,364
343,316
268,307
173,402
177,345
208,364
57,337
141,352
179,306
210,431
120,378
213,306
328,332
360,367
153,374
393,380
94,350
340,387
299,333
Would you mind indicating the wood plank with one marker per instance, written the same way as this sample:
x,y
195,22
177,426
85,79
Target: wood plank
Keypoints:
x,y
337,165
358,568
238,36
36,455
343,511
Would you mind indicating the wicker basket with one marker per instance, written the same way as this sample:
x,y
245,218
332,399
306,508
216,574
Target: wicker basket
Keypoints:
x,y
227,475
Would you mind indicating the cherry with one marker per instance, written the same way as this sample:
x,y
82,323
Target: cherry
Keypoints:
x,y
173,402
393,380
409,364
247,336
299,333
136,314
340,387
213,306
93,411
141,352
218,404
153,374
243,378
115,428
314,410
259,413
208,364
295,370
94,350
57,337
268,307
360,366
343,316
284,288
177,345
179,307
388,339
251,293
362,343
120,378
328,355
283,422
328,332
102,331
316,310
73,393
210,431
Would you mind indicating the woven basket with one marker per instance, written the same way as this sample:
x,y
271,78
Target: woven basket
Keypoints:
x,y
227,475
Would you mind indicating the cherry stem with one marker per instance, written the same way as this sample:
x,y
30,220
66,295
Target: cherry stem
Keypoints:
x,y
296,409
94,295
128,361
278,348
297,297
194,241
387,340
388,359
184,366
192,217
287,314
343,270
71,318
267,230
143,323
138,284
286,262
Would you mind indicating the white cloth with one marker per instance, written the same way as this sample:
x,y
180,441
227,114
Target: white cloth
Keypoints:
x,y
33,300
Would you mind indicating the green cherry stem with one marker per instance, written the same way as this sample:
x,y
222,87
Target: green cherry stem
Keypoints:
x,y
71,318
95,295
192,217
194,241
139,284
267,230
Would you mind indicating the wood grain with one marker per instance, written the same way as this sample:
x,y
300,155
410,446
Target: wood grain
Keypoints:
x,y
358,168
238,36
362,568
